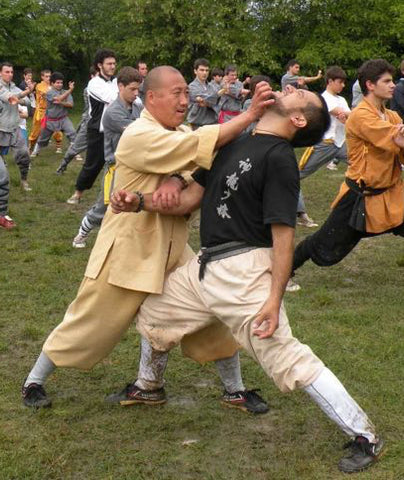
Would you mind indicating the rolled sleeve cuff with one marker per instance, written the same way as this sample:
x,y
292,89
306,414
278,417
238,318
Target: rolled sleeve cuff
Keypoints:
x,y
206,146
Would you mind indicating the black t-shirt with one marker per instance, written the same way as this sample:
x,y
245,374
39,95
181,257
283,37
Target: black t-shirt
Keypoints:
x,y
253,182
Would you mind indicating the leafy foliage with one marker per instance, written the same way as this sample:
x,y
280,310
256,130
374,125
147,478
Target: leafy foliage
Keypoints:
x,y
260,36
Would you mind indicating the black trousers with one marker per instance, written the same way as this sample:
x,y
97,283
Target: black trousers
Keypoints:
x,y
336,238
94,160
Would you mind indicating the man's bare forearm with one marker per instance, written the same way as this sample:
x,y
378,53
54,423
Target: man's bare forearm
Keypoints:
x,y
190,200
230,130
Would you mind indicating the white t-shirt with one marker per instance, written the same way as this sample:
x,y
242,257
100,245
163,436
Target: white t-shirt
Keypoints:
x,y
23,121
336,131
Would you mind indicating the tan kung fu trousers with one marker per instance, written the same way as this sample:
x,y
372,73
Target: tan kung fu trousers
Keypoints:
x,y
233,291
101,313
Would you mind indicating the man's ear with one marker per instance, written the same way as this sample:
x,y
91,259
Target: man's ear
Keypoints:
x,y
369,85
298,120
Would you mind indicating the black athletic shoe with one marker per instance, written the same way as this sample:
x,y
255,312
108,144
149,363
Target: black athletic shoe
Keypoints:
x,y
34,395
362,455
247,400
132,394
61,169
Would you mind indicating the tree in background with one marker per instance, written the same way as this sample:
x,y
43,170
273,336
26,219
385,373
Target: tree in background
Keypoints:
x,y
259,35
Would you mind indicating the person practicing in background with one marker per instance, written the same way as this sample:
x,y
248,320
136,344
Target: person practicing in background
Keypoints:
x,y
27,80
203,97
11,97
132,253
102,90
397,102
332,148
231,95
357,95
217,75
59,102
118,115
371,199
293,78
141,67
248,214
41,90
80,140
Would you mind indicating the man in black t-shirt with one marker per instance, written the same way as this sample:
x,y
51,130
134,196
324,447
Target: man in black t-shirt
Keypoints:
x,y
248,214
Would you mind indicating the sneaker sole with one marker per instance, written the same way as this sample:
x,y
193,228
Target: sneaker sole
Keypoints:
x,y
375,460
79,245
46,405
127,403
242,408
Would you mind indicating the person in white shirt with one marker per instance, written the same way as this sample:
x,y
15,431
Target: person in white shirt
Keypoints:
x,y
102,90
332,149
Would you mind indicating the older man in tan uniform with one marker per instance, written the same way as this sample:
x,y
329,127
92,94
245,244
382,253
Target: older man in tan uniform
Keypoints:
x,y
133,252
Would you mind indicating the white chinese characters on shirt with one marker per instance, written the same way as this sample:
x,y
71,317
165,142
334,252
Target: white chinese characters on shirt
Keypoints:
x,y
232,182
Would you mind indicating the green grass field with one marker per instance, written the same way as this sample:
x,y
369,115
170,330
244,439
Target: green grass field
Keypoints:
x,y
350,314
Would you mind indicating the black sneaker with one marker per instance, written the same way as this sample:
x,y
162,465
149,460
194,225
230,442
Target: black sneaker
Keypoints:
x,y
132,394
362,455
34,395
61,169
247,400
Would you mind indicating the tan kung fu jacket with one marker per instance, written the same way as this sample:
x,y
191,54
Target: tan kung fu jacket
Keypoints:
x,y
144,246
375,160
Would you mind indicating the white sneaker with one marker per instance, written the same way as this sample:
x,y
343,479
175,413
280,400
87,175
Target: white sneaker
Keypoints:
x,y
332,166
59,150
305,221
25,186
292,286
73,200
79,241
79,158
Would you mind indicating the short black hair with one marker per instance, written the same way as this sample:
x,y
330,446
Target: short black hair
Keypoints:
x,y
292,62
334,73
101,54
216,71
127,75
318,122
230,68
6,64
56,76
201,62
27,71
257,79
139,62
371,71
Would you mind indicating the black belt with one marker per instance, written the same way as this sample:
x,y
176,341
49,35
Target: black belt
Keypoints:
x,y
219,252
358,216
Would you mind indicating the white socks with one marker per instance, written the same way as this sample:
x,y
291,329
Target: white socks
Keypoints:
x,y
153,363
40,372
330,395
230,373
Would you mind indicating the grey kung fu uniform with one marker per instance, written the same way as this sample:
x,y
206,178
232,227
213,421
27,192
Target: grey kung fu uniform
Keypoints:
x,y
116,118
11,136
232,101
197,115
80,140
56,118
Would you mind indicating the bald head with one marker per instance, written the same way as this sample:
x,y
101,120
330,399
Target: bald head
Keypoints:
x,y
166,96
159,77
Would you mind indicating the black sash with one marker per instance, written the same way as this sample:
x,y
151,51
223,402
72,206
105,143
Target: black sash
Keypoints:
x,y
358,216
